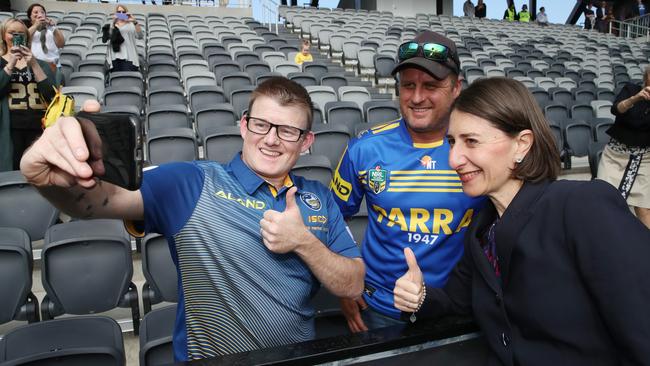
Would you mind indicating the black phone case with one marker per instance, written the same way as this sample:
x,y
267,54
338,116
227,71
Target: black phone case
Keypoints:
x,y
115,147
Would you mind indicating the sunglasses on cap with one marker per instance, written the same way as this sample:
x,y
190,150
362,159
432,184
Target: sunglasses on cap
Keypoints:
x,y
430,51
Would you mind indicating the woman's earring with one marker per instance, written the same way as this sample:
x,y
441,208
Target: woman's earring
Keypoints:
x,y
518,160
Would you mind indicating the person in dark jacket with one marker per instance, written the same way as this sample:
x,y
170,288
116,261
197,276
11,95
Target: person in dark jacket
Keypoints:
x,y
481,10
554,271
626,158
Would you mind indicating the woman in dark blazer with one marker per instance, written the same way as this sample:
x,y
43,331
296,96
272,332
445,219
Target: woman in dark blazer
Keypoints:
x,y
554,272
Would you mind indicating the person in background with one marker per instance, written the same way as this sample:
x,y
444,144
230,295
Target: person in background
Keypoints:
x,y
413,197
590,16
481,10
304,55
252,243
542,18
27,86
468,8
639,9
47,39
524,14
602,17
511,13
625,162
554,272
122,32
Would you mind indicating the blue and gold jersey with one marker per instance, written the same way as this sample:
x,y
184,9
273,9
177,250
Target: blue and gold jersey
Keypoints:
x,y
414,199
234,294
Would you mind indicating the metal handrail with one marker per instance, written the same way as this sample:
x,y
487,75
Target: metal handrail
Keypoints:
x,y
270,14
629,29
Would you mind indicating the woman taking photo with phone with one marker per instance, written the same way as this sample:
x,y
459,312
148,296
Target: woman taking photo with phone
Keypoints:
x,y
47,40
27,86
554,271
122,33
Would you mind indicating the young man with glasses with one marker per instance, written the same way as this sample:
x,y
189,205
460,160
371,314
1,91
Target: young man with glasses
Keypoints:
x,y
414,198
251,241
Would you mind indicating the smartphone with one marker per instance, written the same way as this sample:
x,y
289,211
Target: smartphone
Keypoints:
x,y
122,16
115,147
18,39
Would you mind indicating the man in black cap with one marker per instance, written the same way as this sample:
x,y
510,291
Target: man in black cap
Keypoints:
x,y
414,198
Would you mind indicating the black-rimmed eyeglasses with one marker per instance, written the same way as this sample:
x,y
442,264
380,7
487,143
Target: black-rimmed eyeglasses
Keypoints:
x,y
284,132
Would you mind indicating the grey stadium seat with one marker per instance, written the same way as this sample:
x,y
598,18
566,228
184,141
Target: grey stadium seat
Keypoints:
x,y
159,271
314,167
18,301
74,341
156,337
171,144
87,268
222,144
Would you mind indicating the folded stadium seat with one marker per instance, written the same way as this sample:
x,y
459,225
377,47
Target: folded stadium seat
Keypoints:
x,y
336,46
233,48
156,336
212,47
328,318
164,41
171,144
265,76
384,65
123,96
261,48
93,65
358,223
92,340
343,112
159,80
193,79
583,95
558,113
254,69
314,167
331,140
221,144
534,73
162,66
73,55
316,68
578,137
167,95
553,73
600,127
351,53
18,301
582,112
205,94
545,82
274,58
377,111
541,95
234,80
161,48
225,69
167,116
602,108
321,95
239,99
191,67
154,56
562,96
208,117
605,84
587,84
216,58
303,78
587,75
277,42
566,83
317,115
81,94
527,81
285,68
87,268
126,79
88,78
246,57
334,80
188,53
357,94
595,153
324,36
161,280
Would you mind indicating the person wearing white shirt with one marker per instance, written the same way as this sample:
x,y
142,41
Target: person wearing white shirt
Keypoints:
x,y
47,40
541,18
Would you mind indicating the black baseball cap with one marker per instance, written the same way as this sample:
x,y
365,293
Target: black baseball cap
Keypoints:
x,y
438,69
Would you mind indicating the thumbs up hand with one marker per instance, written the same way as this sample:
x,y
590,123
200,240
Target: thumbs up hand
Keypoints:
x,y
282,232
409,288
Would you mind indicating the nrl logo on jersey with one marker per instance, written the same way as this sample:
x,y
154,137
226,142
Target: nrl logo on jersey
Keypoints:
x,y
377,179
428,163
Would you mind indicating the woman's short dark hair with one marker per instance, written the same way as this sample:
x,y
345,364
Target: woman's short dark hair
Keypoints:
x,y
286,93
510,107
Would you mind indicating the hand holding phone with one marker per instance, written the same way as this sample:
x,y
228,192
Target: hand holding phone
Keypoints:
x,y
122,16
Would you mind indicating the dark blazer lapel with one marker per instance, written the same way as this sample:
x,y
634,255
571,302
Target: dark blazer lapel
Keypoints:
x,y
513,221
484,219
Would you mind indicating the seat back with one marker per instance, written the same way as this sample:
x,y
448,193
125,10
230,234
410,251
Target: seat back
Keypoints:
x,y
330,141
222,144
314,167
171,144
18,302
23,207
74,341
156,337
159,271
